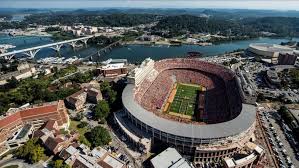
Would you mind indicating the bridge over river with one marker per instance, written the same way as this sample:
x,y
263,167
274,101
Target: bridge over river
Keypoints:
x,y
31,52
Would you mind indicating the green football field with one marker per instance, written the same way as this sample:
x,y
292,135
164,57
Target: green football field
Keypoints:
x,y
185,99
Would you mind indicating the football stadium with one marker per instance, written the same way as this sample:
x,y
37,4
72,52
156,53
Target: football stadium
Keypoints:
x,y
192,105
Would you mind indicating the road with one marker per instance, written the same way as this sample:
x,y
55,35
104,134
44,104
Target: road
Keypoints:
x,y
81,69
122,147
19,162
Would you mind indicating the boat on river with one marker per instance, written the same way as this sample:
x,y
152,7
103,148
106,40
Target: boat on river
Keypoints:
x,y
193,54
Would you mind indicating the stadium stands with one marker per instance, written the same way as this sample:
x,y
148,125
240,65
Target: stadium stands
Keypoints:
x,y
222,99
160,107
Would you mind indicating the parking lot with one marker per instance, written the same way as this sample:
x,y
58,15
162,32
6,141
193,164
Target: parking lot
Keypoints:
x,y
279,138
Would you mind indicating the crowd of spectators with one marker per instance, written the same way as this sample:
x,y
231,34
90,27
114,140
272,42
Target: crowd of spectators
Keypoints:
x,y
222,100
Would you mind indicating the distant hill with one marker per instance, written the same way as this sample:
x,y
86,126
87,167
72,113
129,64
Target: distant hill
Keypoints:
x,y
231,13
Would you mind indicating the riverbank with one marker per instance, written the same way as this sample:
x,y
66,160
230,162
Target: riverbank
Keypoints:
x,y
137,52
134,51
166,43
26,33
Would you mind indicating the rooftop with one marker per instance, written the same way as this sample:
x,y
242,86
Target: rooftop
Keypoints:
x,y
271,47
170,158
27,111
113,162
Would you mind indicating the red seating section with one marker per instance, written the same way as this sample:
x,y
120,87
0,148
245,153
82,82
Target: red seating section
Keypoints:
x,y
222,98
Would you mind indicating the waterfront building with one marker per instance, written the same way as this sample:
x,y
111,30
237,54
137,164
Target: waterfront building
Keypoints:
x,y
287,59
113,68
269,52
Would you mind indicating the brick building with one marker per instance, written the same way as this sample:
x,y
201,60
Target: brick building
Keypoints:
x,y
77,100
35,115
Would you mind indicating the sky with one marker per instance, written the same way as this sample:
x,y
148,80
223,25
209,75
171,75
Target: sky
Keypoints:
x,y
224,4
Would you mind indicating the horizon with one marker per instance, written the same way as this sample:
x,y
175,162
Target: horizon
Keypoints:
x,y
288,5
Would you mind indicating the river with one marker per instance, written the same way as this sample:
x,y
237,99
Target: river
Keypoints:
x,y
134,53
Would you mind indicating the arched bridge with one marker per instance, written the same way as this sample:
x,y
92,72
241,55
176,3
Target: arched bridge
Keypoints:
x,y
31,52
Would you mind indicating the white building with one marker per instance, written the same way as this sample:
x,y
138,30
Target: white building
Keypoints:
x,y
170,158
139,73
269,52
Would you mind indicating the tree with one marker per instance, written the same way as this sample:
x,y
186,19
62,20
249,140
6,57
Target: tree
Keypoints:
x,y
13,82
286,115
24,150
98,136
34,89
102,110
79,117
112,95
83,140
30,151
59,164
36,154
82,124
105,86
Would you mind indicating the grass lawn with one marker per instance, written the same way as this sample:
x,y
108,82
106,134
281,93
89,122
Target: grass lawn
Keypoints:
x,y
185,99
81,131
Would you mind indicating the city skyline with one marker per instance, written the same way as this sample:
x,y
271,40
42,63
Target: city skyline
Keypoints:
x,y
218,4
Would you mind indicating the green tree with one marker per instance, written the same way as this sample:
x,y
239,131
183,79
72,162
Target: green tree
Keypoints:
x,y
58,163
36,154
30,151
83,140
83,77
102,110
105,86
79,117
112,95
23,151
13,82
82,124
99,136
286,114
34,89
